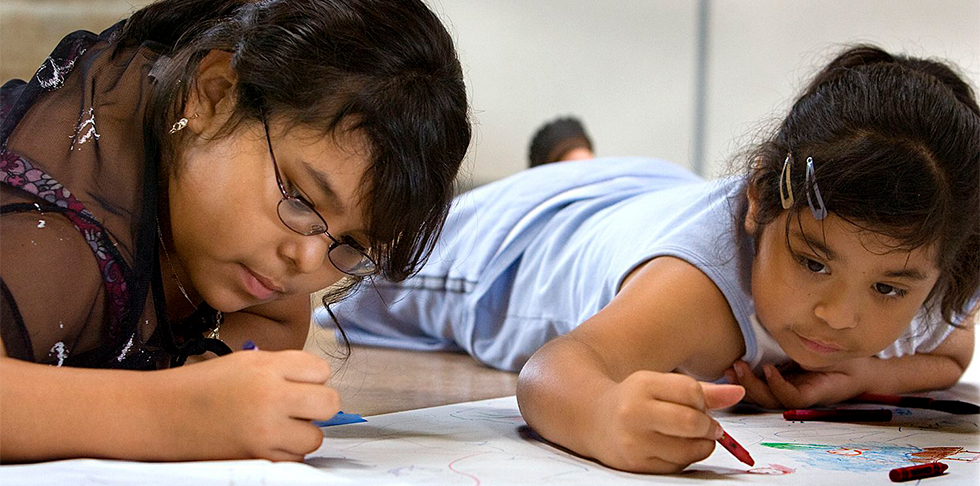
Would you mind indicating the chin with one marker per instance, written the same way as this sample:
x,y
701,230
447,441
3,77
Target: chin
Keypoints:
x,y
226,302
809,361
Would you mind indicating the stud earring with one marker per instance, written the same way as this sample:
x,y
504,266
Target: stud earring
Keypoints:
x,y
181,124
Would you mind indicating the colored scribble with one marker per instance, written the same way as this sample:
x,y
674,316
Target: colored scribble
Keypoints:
x,y
772,470
933,454
849,457
871,457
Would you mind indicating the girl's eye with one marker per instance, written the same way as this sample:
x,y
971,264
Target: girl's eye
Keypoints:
x,y
889,290
812,265
294,192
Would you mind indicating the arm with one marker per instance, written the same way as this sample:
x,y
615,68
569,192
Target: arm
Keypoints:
x,y
245,405
941,368
606,390
281,324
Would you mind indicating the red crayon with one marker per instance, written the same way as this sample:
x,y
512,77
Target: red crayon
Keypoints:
x,y
919,471
735,448
951,406
840,415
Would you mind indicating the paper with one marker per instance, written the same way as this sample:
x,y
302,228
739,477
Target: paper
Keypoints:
x,y
93,472
487,443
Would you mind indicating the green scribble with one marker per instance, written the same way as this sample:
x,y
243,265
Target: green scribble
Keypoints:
x,y
790,446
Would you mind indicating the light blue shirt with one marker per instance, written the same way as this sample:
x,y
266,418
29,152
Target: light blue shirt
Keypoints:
x,y
529,257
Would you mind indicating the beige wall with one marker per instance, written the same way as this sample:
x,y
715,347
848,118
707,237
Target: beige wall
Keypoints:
x,y
29,29
626,67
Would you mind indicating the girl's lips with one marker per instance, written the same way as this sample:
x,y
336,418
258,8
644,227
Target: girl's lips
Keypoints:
x,y
259,287
819,347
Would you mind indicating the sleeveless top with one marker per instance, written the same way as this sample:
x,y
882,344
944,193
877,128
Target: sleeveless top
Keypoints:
x,y
79,248
527,258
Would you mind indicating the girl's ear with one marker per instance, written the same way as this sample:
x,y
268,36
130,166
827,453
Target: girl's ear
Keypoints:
x,y
211,99
752,196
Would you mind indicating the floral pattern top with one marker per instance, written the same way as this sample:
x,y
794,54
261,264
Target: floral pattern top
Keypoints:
x,y
78,200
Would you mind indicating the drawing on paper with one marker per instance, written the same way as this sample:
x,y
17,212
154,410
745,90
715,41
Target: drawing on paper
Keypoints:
x,y
870,456
487,442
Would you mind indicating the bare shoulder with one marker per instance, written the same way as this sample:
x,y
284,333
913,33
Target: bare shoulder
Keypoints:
x,y
667,316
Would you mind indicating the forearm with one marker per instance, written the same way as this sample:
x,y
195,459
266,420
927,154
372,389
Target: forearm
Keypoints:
x,y
557,392
51,413
914,373
274,326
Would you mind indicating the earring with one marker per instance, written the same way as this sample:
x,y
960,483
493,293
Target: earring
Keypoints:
x,y
181,124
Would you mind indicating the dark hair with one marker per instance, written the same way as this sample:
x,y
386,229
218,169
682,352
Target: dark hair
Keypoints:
x,y
555,139
384,68
895,143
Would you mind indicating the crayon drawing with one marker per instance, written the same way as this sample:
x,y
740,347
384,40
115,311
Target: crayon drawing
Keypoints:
x,y
870,456
487,443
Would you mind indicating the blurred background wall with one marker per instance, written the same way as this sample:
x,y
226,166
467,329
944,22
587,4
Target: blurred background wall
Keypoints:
x,y
691,81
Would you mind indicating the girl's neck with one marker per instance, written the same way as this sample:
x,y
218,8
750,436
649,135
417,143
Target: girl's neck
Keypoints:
x,y
181,298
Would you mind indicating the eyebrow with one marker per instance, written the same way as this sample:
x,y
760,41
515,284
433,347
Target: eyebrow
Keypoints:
x,y
323,184
906,273
816,244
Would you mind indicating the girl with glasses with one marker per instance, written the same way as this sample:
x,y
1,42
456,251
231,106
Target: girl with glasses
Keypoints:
x,y
182,183
848,253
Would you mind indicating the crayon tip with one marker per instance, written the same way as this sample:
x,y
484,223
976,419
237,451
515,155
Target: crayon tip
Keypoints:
x,y
736,449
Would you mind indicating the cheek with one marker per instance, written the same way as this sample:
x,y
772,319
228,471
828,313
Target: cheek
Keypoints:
x,y
880,332
769,292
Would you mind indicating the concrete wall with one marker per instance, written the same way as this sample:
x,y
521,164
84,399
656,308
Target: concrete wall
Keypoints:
x,y
628,68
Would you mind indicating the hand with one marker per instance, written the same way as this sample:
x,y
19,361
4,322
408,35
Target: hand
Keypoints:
x,y
250,404
658,422
795,387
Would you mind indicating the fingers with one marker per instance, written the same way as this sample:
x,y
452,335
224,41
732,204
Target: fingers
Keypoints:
x,y
756,390
303,367
298,438
312,402
682,421
669,387
721,396
659,422
664,454
788,395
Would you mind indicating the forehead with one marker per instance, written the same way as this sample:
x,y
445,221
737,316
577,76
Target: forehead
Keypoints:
x,y
851,242
336,163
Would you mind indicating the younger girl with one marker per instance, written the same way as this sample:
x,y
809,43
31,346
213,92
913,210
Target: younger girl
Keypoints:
x,y
199,170
849,252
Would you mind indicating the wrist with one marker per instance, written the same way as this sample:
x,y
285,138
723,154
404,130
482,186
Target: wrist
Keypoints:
x,y
160,399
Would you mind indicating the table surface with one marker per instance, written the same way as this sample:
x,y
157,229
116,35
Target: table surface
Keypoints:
x,y
373,381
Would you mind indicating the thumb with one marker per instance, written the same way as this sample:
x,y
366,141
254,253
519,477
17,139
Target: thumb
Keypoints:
x,y
721,396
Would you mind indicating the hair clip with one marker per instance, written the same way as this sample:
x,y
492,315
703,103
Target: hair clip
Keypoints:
x,y
786,183
820,212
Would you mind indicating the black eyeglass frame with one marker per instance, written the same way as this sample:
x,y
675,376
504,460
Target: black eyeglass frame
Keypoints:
x,y
365,260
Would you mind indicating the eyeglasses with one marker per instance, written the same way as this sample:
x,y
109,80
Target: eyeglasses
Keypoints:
x,y
298,215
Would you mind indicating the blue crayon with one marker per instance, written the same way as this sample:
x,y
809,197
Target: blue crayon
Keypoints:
x,y
340,419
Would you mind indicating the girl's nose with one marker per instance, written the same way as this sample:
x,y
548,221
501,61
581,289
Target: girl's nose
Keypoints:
x,y
306,254
838,310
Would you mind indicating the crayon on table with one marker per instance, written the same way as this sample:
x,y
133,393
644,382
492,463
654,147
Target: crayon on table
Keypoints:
x,y
249,346
735,448
840,415
919,471
951,406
